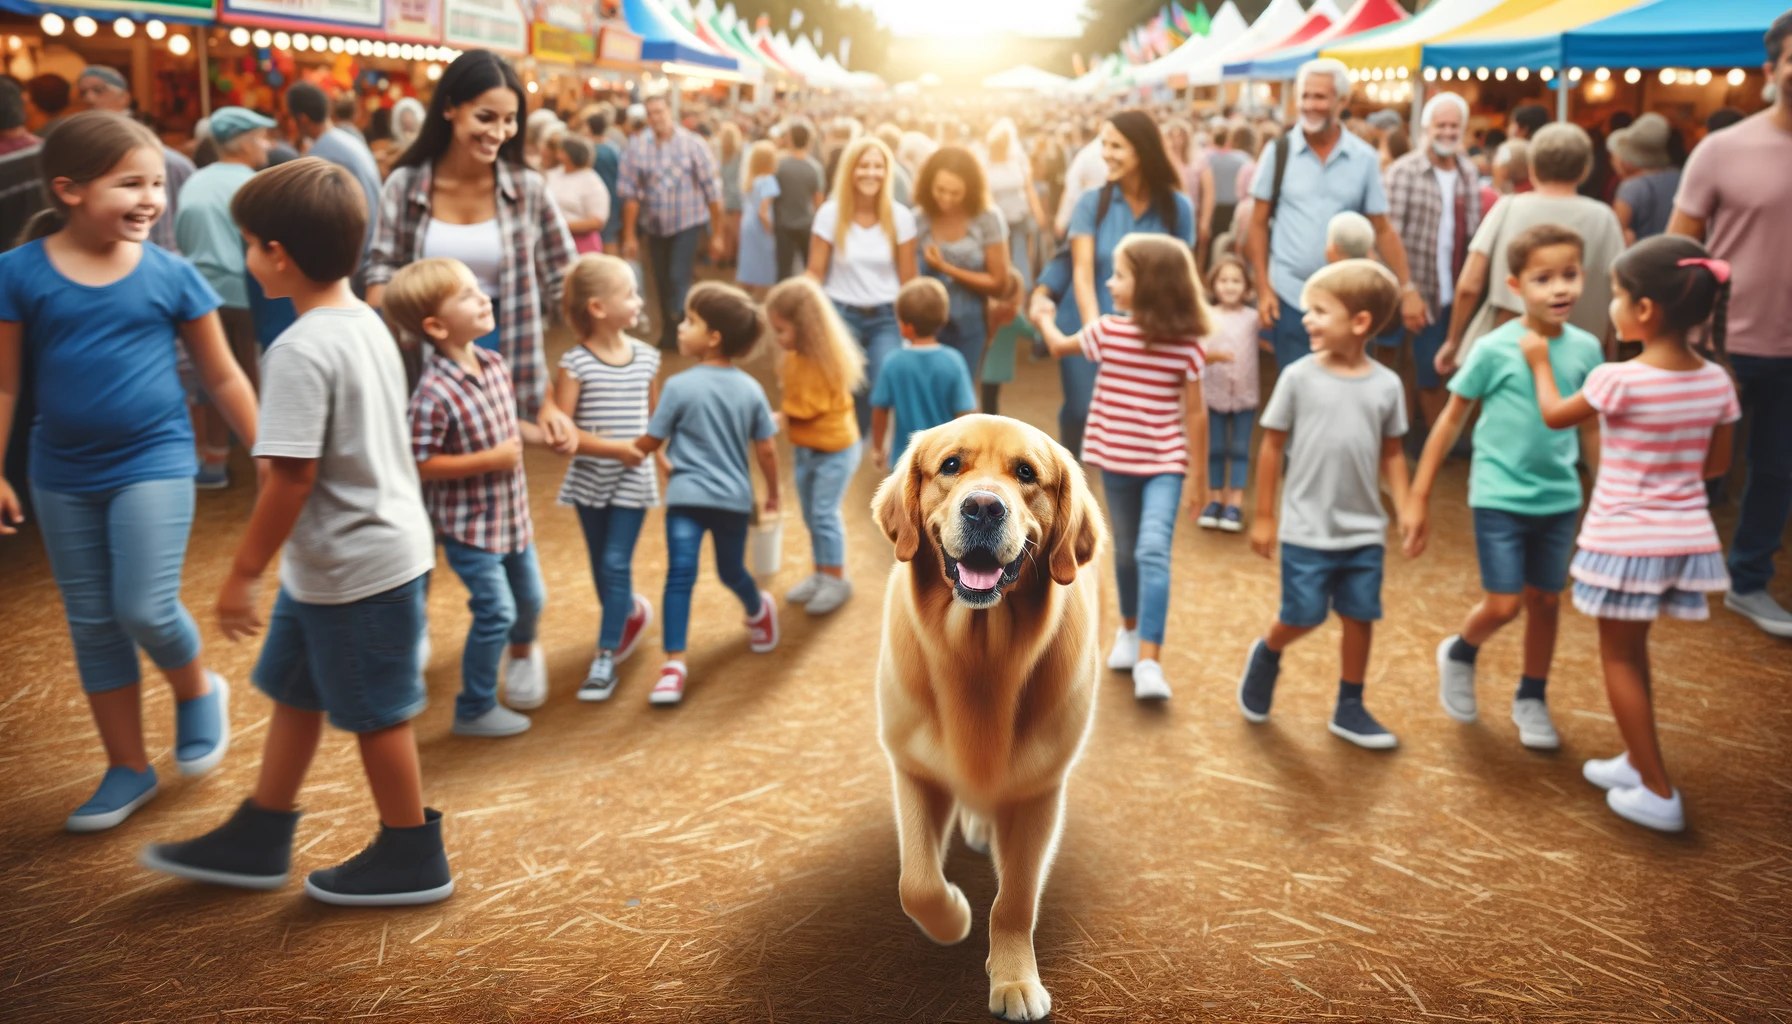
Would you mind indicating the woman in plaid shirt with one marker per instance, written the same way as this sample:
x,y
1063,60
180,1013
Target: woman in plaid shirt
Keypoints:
x,y
461,191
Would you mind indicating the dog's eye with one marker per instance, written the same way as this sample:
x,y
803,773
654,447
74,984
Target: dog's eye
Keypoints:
x,y
1024,473
951,466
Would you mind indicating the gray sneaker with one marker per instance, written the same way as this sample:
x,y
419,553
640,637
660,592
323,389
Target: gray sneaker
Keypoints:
x,y
804,592
1352,721
829,595
499,721
1455,683
1761,609
600,681
1535,728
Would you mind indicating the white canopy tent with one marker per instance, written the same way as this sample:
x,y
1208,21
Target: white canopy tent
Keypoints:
x,y
1026,78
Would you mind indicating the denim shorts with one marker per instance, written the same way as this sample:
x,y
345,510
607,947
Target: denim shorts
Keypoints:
x,y
1316,581
355,661
1518,551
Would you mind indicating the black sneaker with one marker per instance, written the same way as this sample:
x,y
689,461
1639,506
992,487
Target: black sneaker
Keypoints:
x,y
1352,721
253,850
1258,687
403,867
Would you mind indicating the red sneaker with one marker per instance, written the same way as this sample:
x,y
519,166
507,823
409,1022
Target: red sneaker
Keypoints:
x,y
639,618
670,688
762,629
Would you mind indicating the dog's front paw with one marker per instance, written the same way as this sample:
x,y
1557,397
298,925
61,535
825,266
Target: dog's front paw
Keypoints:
x,y
1019,1000
945,918
975,831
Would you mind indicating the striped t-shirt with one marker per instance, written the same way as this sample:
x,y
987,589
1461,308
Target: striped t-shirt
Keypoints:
x,y
1135,416
1655,428
612,404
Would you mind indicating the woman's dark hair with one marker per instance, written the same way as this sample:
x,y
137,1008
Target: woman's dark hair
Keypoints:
x,y
1687,293
729,312
83,148
958,161
1155,170
473,74
12,105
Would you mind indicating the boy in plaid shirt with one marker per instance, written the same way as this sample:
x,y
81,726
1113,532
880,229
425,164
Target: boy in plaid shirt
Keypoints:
x,y
468,445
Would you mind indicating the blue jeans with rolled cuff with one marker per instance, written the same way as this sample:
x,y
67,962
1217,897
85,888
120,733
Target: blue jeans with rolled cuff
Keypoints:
x,y
610,535
685,527
1229,441
505,595
821,479
1142,516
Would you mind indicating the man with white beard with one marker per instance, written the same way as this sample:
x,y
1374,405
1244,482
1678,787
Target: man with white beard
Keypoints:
x,y
1434,204
1304,179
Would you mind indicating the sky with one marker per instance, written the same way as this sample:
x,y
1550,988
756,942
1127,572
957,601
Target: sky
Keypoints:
x,y
979,17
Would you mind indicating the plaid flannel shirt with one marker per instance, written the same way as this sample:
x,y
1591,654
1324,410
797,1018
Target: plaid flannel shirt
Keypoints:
x,y
1416,210
535,262
675,182
454,413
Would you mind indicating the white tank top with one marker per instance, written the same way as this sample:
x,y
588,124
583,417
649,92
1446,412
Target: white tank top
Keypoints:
x,y
477,245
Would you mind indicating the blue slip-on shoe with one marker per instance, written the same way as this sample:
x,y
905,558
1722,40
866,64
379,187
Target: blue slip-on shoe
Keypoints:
x,y
202,729
1352,721
121,792
212,476
1209,519
1258,686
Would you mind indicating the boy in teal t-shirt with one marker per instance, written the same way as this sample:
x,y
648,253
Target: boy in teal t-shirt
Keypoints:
x,y
1524,486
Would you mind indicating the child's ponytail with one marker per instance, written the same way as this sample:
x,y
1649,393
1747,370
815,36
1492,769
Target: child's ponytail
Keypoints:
x,y
1680,276
81,149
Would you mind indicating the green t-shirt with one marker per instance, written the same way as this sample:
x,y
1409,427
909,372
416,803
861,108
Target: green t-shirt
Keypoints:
x,y
1520,464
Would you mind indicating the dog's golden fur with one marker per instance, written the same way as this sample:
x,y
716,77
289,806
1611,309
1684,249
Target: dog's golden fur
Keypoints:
x,y
982,710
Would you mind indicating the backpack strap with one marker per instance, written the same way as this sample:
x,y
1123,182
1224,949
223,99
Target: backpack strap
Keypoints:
x,y
1102,204
1275,189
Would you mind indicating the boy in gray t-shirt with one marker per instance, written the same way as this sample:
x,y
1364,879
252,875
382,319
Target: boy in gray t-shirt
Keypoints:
x,y
1339,415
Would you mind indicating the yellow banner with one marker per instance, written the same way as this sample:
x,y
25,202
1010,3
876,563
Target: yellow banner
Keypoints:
x,y
557,44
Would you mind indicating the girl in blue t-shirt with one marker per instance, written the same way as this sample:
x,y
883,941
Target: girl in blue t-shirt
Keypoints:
x,y
112,458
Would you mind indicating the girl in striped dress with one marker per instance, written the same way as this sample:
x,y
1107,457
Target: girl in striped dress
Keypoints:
x,y
1647,544
609,385
1147,429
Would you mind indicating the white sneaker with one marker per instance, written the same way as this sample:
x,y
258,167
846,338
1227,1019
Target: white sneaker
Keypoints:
x,y
1535,728
1125,654
1761,609
1637,804
829,595
1455,683
804,592
1611,772
526,680
1148,682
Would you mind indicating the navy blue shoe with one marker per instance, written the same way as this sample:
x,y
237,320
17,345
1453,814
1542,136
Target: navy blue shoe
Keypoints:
x,y
1209,518
1258,687
1232,519
403,867
121,792
253,850
1352,721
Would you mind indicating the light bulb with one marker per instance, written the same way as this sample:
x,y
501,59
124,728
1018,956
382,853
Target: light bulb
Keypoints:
x,y
1633,76
1499,74
301,42
155,29
52,24
85,26
239,36
179,45
1449,73
125,27
1602,75
1574,74
319,44
1702,76
1736,76
336,44
1522,74
433,72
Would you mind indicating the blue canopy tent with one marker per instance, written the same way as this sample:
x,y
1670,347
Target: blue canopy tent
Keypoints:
x,y
663,39
1666,33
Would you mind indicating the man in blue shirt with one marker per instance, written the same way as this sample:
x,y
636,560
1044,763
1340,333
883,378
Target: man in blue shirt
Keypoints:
x,y
1328,171
310,110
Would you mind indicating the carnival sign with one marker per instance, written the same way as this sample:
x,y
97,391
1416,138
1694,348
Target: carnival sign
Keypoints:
x,y
485,24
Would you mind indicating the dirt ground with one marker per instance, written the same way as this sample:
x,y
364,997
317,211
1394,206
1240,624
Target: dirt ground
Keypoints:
x,y
734,859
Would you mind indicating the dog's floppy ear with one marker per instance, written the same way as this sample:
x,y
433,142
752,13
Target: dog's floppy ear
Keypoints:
x,y
897,506
1076,521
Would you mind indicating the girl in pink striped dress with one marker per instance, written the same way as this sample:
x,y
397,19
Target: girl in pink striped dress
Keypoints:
x,y
1647,544
1147,429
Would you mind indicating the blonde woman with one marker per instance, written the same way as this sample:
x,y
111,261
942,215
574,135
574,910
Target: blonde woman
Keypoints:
x,y
729,150
861,252
757,184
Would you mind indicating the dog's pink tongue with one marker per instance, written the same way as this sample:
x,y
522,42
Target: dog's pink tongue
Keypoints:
x,y
978,579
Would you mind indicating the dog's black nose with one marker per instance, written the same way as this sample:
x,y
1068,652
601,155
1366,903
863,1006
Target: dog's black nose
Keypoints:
x,y
983,507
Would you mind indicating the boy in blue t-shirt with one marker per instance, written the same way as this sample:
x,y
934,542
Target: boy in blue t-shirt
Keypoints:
x,y
925,384
1524,489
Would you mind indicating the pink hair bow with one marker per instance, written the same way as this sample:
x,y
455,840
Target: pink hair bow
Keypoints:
x,y
1719,268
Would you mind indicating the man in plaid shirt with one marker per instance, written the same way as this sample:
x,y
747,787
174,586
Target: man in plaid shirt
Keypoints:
x,y
670,191
1434,203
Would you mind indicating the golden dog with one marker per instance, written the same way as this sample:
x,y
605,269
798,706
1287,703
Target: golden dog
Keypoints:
x,y
986,678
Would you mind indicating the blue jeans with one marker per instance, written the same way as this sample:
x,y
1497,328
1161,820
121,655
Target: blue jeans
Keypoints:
x,y
1229,440
610,535
1518,551
505,595
117,555
1077,376
673,259
1424,347
821,479
875,329
1142,515
1765,387
1288,335
685,526
355,661
964,329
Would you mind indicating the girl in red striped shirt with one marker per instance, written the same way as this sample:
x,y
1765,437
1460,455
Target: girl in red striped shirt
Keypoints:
x,y
1145,419
1647,544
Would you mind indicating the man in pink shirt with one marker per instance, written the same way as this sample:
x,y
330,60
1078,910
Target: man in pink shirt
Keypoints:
x,y
1737,197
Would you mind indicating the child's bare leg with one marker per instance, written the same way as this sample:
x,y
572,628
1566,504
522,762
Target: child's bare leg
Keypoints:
x,y
1489,616
1281,634
1624,651
1542,617
118,714
189,680
1235,497
389,756
286,757
836,571
1354,656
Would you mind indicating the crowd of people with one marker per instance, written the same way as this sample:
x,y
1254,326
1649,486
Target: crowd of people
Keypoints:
x,y
370,326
